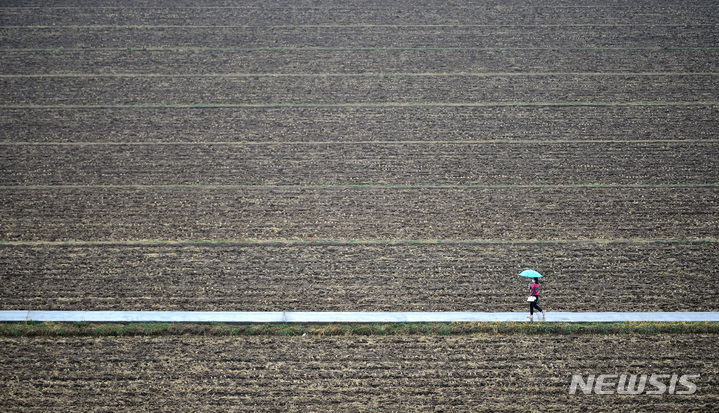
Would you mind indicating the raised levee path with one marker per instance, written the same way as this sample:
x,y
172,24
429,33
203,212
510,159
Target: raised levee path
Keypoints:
x,y
342,317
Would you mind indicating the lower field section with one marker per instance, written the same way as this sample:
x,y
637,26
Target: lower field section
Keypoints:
x,y
369,276
469,373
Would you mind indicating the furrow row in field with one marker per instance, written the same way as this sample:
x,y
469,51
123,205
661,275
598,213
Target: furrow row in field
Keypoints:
x,y
380,373
559,163
372,14
555,5
358,213
349,90
303,124
359,277
356,61
372,36
346,75
346,49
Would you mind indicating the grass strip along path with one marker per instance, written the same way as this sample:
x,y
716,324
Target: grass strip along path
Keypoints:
x,y
82,329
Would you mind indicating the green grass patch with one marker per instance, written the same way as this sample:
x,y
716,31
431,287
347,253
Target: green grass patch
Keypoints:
x,y
372,329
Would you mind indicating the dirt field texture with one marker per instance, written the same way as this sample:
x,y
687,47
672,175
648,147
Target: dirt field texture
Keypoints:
x,y
307,276
356,156
375,373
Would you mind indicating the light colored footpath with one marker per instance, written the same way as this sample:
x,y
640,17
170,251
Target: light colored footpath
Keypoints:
x,y
340,317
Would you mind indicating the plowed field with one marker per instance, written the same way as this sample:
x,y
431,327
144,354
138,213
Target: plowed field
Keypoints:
x,y
365,164
274,90
349,277
514,373
364,156
534,124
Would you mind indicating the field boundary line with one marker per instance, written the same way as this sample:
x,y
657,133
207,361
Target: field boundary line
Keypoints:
x,y
344,242
374,7
344,48
368,74
354,186
344,26
343,317
378,142
357,105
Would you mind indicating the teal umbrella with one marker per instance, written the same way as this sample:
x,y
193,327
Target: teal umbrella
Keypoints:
x,y
530,274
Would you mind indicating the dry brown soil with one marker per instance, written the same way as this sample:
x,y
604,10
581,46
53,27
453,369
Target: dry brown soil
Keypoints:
x,y
367,277
405,155
418,373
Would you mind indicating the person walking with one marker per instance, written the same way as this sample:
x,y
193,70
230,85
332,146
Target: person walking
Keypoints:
x,y
534,297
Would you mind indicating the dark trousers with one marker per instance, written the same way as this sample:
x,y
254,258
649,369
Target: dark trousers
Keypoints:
x,y
533,305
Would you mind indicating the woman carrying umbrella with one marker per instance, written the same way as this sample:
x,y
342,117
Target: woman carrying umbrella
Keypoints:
x,y
533,293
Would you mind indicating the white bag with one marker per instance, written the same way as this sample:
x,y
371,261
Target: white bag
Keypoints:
x,y
532,298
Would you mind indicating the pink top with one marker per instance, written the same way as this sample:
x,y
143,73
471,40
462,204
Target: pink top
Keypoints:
x,y
534,289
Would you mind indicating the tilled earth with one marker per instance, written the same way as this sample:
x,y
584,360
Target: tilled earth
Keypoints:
x,y
340,90
372,156
358,213
401,12
513,124
555,35
378,373
305,276
554,163
281,61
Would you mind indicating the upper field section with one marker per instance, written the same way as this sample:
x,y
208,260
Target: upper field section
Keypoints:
x,y
368,53
361,24
687,35
375,12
